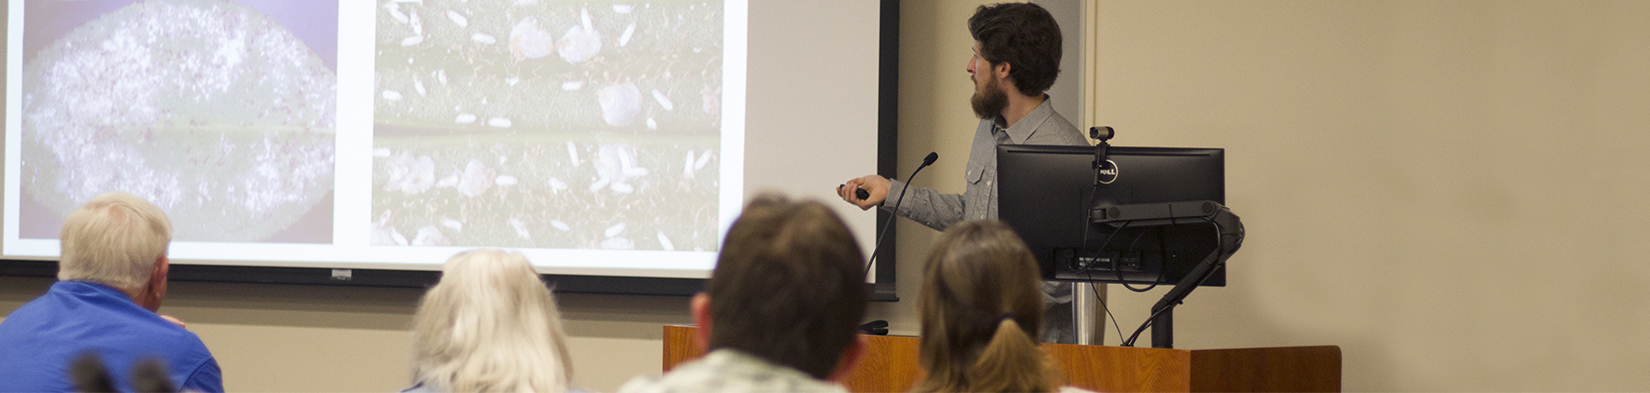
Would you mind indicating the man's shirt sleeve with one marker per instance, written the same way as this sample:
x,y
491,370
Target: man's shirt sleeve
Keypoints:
x,y
206,378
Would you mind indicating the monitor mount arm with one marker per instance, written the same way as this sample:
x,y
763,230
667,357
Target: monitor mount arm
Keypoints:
x,y
1177,213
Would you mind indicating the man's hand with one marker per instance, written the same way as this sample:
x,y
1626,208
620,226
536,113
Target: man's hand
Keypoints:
x,y
174,320
877,186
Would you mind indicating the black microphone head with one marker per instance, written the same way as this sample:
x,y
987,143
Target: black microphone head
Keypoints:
x,y
929,160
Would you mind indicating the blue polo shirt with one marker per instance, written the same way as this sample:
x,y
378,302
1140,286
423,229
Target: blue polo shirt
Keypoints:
x,y
39,340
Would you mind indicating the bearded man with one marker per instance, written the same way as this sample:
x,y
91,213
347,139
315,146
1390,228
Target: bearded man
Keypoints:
x,y
1016,59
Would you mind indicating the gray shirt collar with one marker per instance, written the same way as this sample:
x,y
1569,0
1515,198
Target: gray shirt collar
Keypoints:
x,y
1022,130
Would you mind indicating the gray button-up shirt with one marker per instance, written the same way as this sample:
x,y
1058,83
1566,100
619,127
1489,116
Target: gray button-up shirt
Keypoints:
x,y
979,200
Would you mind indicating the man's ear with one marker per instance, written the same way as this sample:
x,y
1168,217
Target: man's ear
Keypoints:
x,y
700,308
155,290
850,358
1000,70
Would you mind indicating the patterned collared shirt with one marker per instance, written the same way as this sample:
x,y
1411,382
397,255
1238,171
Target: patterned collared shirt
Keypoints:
x,y
726,370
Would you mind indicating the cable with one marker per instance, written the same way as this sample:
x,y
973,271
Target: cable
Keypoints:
x,y
1200,281
1101,252
1104,306
1119,268
892,216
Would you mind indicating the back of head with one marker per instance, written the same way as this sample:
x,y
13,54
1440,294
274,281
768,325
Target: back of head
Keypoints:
x,y
114,239
981,300
490,325
788,286
1025,36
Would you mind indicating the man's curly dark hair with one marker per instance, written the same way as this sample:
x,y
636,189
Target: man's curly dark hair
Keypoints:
x,y
1023,35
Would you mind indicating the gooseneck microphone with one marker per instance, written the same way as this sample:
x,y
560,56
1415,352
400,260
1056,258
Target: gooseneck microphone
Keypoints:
x,y
862,194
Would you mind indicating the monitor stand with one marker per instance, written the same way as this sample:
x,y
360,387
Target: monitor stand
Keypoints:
x,y
1177,213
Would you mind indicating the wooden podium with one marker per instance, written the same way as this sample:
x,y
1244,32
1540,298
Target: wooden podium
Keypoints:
x,y
891,365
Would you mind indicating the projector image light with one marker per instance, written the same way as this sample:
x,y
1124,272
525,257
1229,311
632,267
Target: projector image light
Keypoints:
x,y
212,111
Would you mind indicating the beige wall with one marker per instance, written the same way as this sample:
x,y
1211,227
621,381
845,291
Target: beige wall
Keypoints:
x,y
1446,189
1449,190
285,338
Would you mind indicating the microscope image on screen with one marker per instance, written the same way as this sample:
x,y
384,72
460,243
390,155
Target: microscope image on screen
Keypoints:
x,y
547,124
215,111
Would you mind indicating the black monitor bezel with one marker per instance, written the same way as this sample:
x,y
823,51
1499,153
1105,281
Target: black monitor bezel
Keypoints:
x,y
1063,176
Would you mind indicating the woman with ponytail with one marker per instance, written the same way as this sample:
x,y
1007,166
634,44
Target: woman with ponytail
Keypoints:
x,y
981,304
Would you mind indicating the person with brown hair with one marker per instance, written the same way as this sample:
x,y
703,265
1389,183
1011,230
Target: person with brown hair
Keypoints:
x,y
781,310
980,304
1016,59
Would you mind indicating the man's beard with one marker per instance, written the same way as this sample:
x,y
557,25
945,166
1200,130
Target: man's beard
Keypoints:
x,y
990,100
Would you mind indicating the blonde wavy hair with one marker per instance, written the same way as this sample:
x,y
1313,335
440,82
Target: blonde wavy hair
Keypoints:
x,y
981,304
490,325
114,239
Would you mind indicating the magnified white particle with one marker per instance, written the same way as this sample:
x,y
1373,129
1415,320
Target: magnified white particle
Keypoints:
x,y
416,23
628,30
581,42
430,236
395,12
528,41
687,167
399,239
521,228
703,158
663,101
573,152
457,19
477,178
620,104
449,181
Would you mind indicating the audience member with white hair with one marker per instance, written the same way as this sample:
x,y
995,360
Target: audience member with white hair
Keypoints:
x,y
490,325
112,278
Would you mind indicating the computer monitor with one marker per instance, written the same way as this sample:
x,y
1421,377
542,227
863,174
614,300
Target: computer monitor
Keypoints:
x,y
1047,194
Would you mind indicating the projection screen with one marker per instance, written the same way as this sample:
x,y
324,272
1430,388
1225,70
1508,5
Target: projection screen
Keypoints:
x,y
607,139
